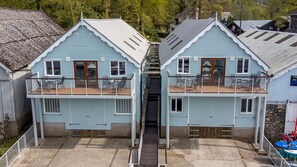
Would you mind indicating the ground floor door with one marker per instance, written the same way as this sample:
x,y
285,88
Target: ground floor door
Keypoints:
x,y
291,116
86,74
211,111
87,114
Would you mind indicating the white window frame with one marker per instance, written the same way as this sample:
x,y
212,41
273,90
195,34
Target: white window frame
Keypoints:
x,y
45,109
183,65
116,113
243,64
247,106
176,105
118,68
52,62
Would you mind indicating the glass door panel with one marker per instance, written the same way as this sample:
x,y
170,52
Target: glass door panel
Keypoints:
x,y
213,70
79,73
92,74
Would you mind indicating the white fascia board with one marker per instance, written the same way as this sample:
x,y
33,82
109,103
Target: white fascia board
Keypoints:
x,y
5,68
188,45
69,33
283,72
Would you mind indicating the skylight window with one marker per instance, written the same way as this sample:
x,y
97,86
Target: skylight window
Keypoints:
x,y
294,44
137,38
251,34
260,35
134,41
173,41
177,44
129,45
272,36
283,39
171,38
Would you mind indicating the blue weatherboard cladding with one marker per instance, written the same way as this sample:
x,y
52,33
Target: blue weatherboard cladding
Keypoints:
x,y
84,45
213,44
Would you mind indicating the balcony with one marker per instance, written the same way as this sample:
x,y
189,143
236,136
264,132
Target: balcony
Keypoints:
x,y
65,87
218,85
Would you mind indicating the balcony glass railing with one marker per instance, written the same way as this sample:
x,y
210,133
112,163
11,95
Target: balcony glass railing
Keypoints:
x,y
224,84
70,86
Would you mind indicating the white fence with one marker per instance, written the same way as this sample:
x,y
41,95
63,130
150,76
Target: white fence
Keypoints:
x,y
18,147
275,157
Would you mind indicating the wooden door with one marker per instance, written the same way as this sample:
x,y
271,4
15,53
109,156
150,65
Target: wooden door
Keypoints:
x,y
213,70
86,74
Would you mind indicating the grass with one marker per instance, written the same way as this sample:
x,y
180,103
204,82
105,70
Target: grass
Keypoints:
x,y
7,143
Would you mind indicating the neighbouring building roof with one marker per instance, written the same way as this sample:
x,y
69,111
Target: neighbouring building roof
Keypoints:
x,y
251,24
116,33
189,32
24,36
277,49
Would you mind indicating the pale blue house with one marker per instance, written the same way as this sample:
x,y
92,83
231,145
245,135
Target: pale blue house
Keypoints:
x,y
88,81
212,84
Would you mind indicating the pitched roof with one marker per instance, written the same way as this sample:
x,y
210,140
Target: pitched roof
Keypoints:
x,y
189,32
251,24
24,36
277,49
123,36
116,33
181,36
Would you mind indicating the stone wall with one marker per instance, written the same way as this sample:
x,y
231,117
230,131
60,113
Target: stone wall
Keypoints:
x,y
275,121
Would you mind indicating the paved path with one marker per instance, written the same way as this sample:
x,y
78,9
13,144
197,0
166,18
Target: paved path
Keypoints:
x,y
213,153
76,152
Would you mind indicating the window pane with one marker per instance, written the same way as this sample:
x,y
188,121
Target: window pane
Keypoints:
x,y
173,103
186,65
239,65
246,65
243,105
52,105
179,105
49,70
114,68
180,65
57,68
250,103
122,68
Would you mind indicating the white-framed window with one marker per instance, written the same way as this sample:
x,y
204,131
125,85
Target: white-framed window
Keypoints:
x,y
183,65
246,105
176,104
52,106
123,106
52,67
117,68
243,66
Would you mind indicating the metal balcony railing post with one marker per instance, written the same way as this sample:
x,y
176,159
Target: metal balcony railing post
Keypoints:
x,y
86,87
253,82
219,81
56,88
41,83
201,86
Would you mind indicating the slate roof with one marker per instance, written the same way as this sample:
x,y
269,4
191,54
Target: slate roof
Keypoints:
x,y
24,36
247,25
181,36
123,36
277,49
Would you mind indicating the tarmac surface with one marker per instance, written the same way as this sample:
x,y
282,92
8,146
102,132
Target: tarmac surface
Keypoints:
x,y
213,153
112,152
76,152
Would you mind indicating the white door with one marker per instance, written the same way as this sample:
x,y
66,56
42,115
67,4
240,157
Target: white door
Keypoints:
x,y
291,115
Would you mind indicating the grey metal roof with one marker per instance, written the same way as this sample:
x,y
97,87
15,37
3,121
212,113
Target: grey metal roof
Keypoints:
x,y
277,49
180,37
24,36
247,25
123,36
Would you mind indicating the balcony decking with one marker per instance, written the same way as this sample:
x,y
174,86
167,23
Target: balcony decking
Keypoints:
x,y
81,91
216,89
